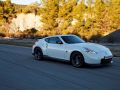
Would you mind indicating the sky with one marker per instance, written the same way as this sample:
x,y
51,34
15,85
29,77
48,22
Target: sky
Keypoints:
x,y
24,2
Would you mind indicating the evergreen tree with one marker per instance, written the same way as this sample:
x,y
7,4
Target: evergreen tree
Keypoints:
x,y
8,10
65,13
91,18
50,14
78,15
101,24
114,14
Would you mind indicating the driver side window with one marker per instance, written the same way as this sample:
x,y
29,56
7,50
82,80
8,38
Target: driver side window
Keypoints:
x,y
53,40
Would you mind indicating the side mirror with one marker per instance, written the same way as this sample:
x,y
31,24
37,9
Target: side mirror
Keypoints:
x,y
59,42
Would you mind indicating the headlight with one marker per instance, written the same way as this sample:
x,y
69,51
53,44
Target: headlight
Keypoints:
x,y
89,50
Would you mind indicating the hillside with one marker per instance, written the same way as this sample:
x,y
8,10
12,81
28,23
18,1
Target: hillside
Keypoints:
x,y
113,37
60,17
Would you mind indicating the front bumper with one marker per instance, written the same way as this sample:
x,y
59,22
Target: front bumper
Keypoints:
x,y
106,61
98,59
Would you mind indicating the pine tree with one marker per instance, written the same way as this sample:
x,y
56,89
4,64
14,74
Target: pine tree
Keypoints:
x,y
78,15
114,14
50,14
101,24
65,13
8,10
1,13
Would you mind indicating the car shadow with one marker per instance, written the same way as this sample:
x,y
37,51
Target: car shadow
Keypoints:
x,y
89,66
86,66
57,61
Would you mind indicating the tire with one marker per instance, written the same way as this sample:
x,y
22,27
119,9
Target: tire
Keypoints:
x,y
38,55
77,59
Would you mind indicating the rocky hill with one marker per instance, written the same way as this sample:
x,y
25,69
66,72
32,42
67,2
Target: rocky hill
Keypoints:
x,y
25,21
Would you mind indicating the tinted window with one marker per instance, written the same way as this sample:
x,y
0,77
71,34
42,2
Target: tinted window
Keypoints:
x,y
47,39
72,39
53,40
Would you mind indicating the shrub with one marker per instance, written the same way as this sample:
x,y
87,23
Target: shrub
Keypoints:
x,y
95,38
2,35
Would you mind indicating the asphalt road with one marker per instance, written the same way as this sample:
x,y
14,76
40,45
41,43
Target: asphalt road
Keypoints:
x,y
18,71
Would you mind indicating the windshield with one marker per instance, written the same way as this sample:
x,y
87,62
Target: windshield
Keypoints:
x,y
72,39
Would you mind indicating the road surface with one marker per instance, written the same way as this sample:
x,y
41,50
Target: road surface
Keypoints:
x,y
18,71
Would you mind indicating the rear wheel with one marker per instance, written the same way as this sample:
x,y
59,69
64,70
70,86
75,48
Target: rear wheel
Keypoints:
x,y
77,59
38,55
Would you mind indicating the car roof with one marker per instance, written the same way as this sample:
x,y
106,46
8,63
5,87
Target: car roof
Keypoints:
x,y
59,35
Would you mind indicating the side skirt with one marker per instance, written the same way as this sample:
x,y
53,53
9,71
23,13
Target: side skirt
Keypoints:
x,y
48,57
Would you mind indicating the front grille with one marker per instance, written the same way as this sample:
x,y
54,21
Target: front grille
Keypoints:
x,y
106,61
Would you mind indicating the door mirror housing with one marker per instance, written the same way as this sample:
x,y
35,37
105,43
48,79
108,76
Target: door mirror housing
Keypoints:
x,y
59,42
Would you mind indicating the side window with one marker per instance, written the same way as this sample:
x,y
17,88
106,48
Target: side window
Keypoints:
x,y
47,40
53,40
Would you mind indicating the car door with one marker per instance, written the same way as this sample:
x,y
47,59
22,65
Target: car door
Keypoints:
x,y
55,48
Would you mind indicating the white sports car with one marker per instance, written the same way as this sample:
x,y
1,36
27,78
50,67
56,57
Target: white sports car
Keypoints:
x,y
73,49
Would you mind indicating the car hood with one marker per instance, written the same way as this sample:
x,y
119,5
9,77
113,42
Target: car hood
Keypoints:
x,y
92,46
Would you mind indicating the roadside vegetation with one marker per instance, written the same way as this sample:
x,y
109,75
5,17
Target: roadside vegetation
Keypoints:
x,y
90,20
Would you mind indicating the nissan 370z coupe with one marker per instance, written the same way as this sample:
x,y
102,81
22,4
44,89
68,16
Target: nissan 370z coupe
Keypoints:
x,y
73,49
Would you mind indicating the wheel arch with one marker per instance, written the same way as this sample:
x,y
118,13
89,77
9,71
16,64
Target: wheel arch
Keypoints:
x,y
37,48
75,51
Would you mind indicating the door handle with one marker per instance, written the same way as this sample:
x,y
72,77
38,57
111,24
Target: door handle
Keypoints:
x,y
46,45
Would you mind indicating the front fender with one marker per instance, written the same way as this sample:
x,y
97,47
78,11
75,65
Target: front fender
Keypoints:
x,y
74,50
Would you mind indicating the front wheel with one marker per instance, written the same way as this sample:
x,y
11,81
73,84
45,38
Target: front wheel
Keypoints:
x,y
38,55
77,59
